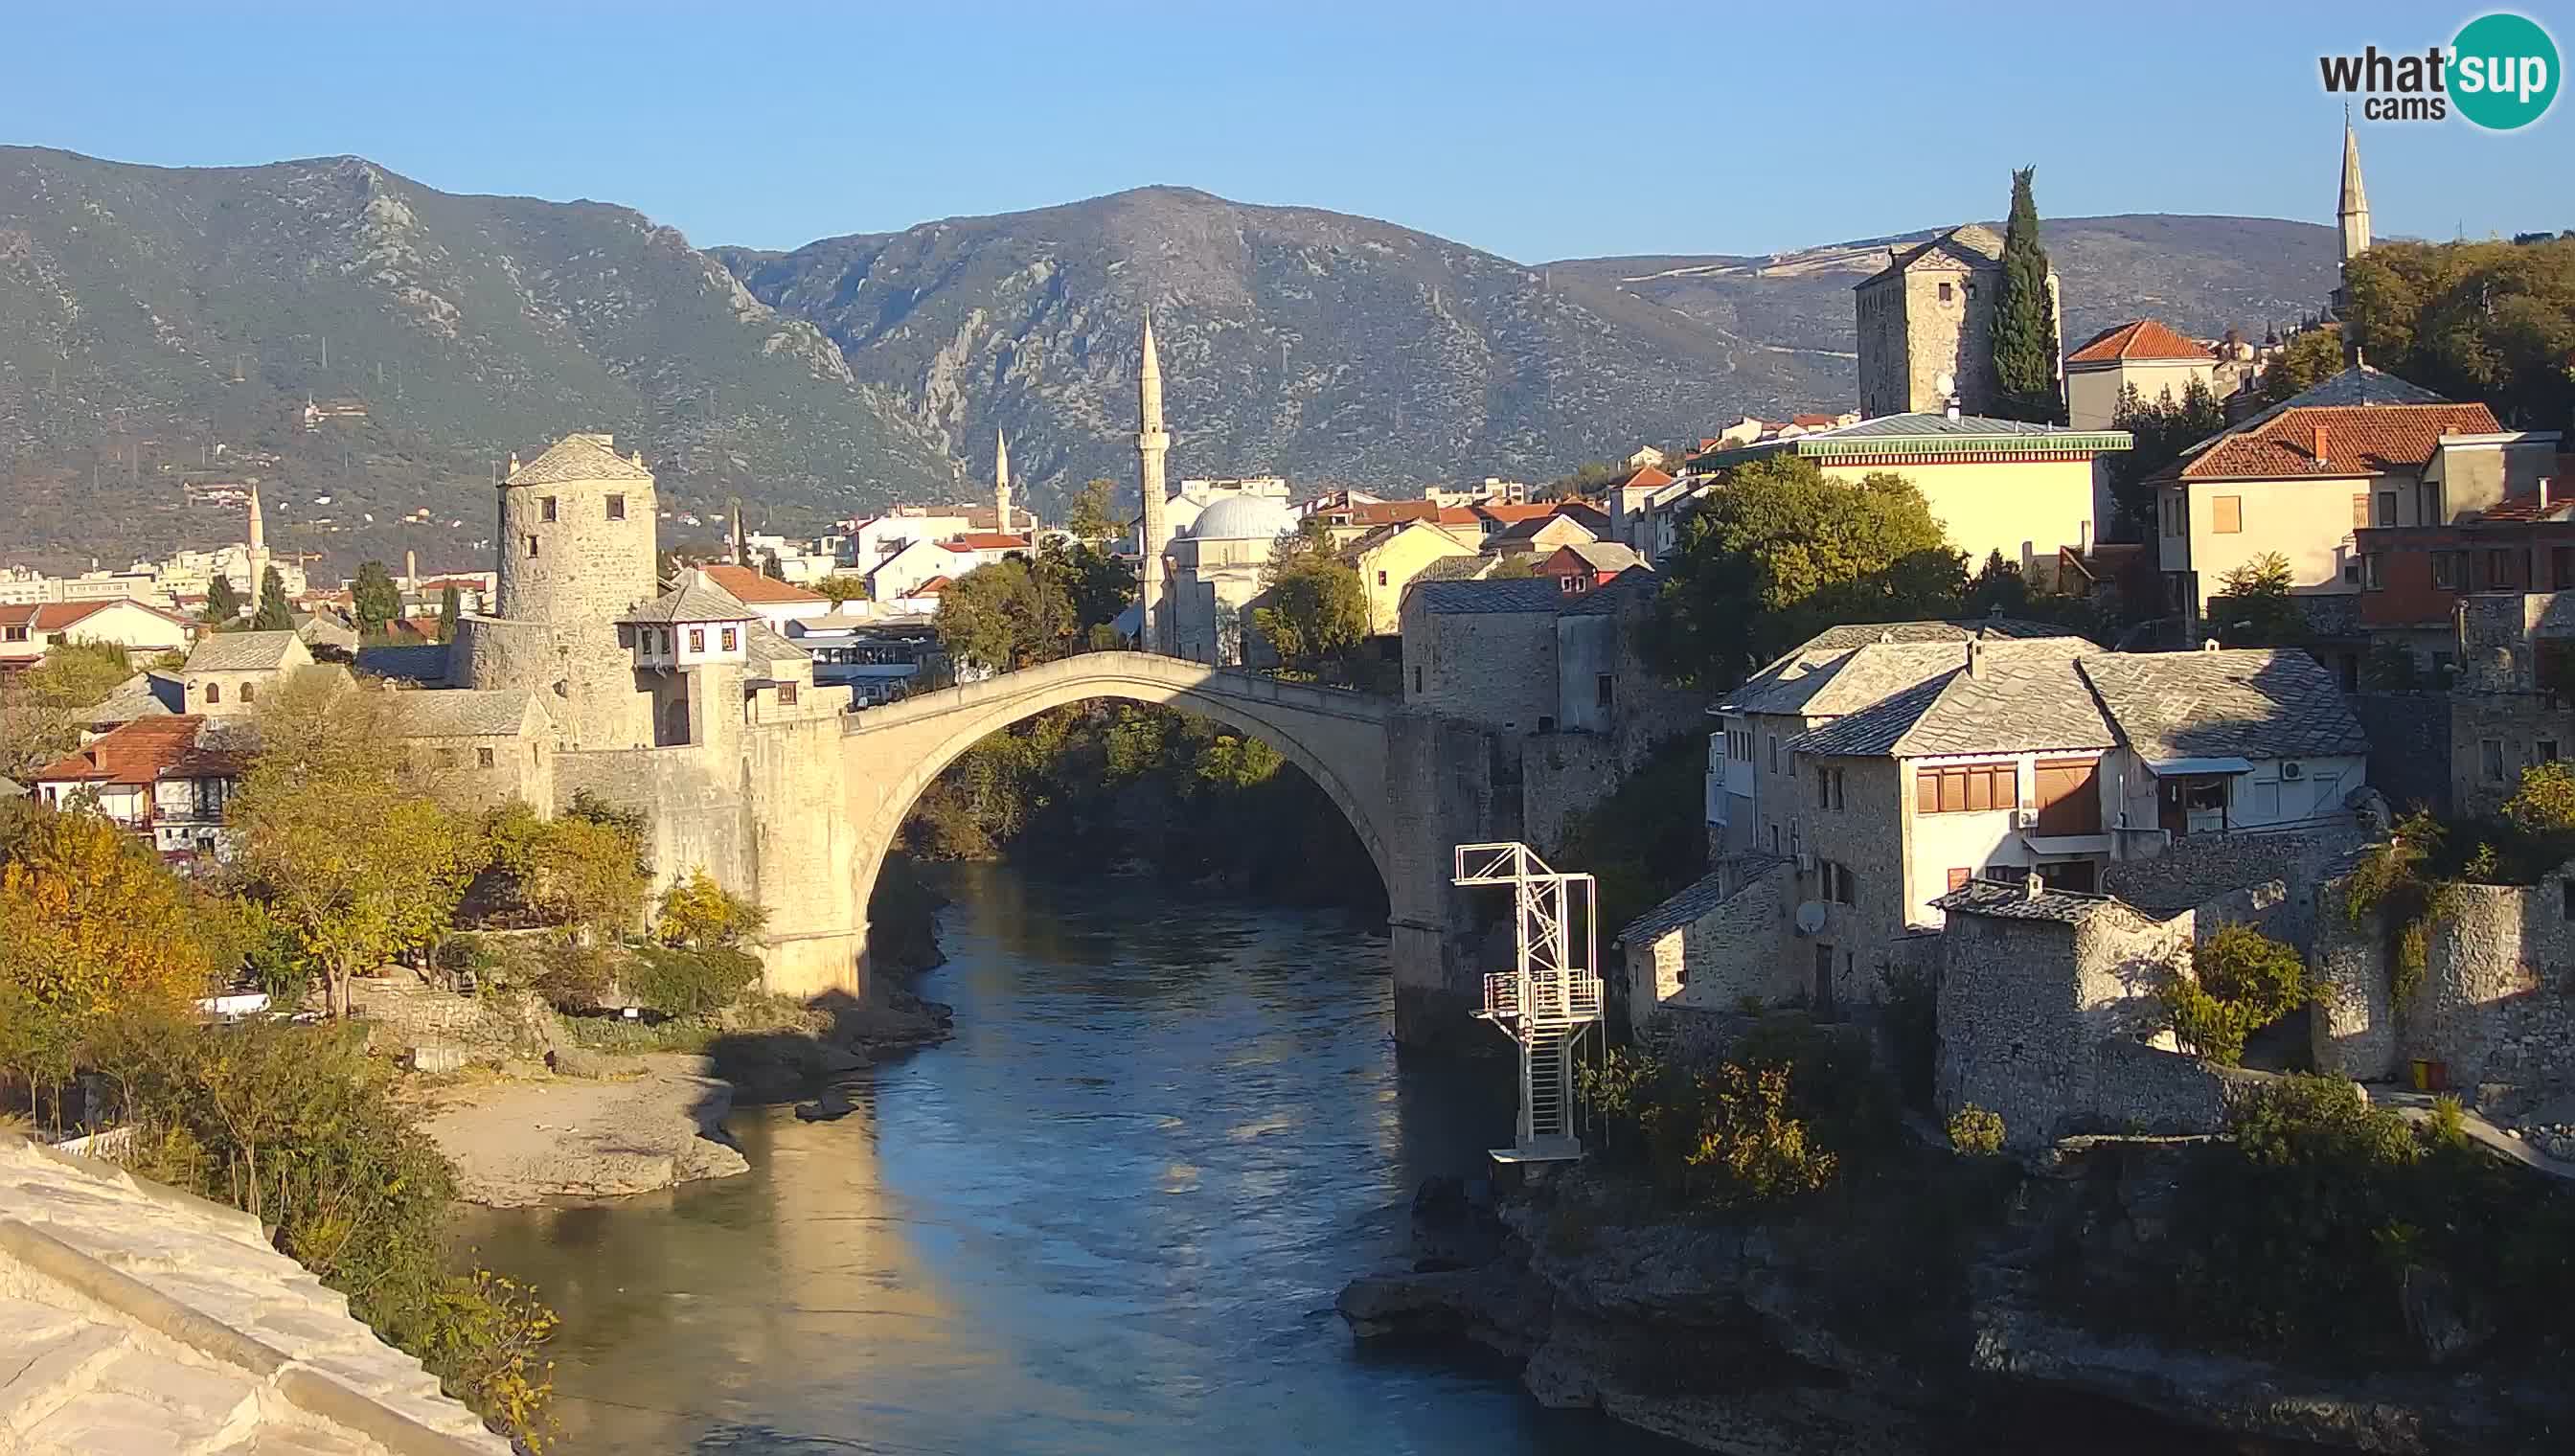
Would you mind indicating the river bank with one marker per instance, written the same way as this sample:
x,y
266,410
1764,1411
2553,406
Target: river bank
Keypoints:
x,y
1766,1340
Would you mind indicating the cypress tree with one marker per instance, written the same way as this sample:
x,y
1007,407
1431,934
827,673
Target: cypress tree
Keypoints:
x,y
223,603
2024,337
450,606
272,615
375,598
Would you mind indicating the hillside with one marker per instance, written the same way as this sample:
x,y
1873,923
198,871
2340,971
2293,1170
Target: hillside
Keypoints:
x,y
149,316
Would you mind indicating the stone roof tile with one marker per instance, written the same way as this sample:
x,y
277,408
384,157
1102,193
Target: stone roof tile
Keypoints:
x,y
2254,703
242,651
578,458
1700,897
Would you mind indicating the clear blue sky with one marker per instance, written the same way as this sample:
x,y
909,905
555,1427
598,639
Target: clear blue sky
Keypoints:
x,y
1537,132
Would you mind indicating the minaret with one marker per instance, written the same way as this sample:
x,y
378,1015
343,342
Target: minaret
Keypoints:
x,y
256,561
1152,443
1001,481
2354,210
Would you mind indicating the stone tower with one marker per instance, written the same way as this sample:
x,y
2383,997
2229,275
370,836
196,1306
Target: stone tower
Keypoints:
x,y
1001,481
578,540
1930,312
2353,212
1153,442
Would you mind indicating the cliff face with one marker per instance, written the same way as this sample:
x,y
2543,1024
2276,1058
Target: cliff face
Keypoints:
x,y
1761,1342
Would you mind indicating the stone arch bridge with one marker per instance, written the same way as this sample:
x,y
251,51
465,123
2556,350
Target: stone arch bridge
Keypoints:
x,y
1407,781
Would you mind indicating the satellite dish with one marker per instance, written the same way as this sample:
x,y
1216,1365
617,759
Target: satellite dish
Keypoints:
x,y
1945,384
1810,917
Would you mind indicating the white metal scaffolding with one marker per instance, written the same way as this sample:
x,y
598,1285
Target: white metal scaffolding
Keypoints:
x,y
1549,1004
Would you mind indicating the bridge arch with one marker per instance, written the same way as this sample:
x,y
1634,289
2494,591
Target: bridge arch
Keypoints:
x,y
1337,739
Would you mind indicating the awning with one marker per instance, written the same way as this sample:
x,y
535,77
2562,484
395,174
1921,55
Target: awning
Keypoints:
x,y
2184,767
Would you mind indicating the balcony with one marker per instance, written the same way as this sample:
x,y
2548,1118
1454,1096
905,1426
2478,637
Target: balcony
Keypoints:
x,y
1551,1000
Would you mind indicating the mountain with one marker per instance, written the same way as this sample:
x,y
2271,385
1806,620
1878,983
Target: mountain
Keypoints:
x,y
1334,349
150,315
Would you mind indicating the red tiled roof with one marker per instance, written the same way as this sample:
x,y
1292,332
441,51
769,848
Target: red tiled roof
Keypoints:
x,y
1457,515
1514,515
1814,421
138,753
1647,477
752,588
989,541
930,587
2143,339
62,616
2358,439
1389,512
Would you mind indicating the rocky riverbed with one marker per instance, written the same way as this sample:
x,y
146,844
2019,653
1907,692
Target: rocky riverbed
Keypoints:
x,y
1753,1340
644,1122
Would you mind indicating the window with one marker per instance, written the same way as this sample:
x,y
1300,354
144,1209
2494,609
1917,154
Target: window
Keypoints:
x,y
1545,723
485,759
786,694
1775,838
697,638
1774,753
617,507
2205,794
17,634
1416,680
545,509
2490,759
2360,510
2226,514
2383,512
446,757
2447,572
1967,789
2373,569
56,638
250,691
532,546
1380,579
1839,886
2544,752
2069,797
1947,294
731,638
214,693
1958,878
1837,789
1823,788
1739,744
2561,567
2498,568
2351,570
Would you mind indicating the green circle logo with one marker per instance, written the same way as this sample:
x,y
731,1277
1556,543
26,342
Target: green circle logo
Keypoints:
x,y
2503,71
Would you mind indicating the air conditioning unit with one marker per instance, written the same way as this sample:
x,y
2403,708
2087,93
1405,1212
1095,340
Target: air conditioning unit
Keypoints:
x,y
2292,772
1805,862
2024,818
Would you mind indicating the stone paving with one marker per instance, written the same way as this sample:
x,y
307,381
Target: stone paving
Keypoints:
x,y
136,1320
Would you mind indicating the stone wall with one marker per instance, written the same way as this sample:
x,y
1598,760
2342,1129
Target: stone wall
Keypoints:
x,y
2268,880
1712,964
2497,1001
2493,738
1562,775
1493,668
2409,747
1460,784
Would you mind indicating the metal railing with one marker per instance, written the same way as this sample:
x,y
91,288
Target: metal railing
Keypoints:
x,y
1558,1000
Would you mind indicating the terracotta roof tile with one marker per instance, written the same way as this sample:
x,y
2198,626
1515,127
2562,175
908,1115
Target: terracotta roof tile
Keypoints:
x,y
752,588
989,541
2143,339
2357,439
138,753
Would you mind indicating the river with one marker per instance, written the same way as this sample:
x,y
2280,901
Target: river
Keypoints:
x,y
1110,1216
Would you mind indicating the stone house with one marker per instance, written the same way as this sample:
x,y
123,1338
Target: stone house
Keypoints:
x,y
2360,450
227,671
1390,557
1839,671
483,748
2047,1014
167,778
1928,314
1708,948
2143,355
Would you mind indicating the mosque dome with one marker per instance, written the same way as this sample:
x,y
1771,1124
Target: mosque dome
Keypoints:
x,y
1242,518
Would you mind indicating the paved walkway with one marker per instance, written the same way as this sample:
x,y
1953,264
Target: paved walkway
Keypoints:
x,y
2417,1106
137,1320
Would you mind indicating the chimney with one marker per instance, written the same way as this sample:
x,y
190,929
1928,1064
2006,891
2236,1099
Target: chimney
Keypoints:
x,y
2034,885
2083,538
2318,448
1953,407
1975,658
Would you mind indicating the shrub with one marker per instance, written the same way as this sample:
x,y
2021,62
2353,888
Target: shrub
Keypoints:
x,y
574,977
1750,1149
677,982
697,913
2243,980
1976,1131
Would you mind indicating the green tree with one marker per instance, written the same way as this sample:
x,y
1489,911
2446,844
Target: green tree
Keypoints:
x,y
2162,428
2025,351
1005,617
1315,608
374,598
1096,585
771,567
841,587
223,601
1514,566
1781,552
2241,981
2254,606
41,710
273,614
2545,802
2310,357
451,609
1094,513
2474,321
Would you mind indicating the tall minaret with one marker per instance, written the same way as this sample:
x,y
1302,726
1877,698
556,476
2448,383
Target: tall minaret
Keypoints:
x,y
1001,481
1152,443
2354,210
256,560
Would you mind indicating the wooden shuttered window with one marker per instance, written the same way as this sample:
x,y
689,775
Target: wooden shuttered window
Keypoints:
x,y
2226,514
1969,788
2069,797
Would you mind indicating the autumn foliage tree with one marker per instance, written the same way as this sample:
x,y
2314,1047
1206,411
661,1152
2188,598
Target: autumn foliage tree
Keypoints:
x,y
1315,608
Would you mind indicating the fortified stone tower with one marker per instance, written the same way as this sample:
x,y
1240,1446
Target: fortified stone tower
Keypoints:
x,y
577,547
1153,442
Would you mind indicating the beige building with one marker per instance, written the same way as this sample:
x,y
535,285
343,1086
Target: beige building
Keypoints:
x,y
2144,356
1391,557
1216,567
2360,450
1993,485
1930,314
226,672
